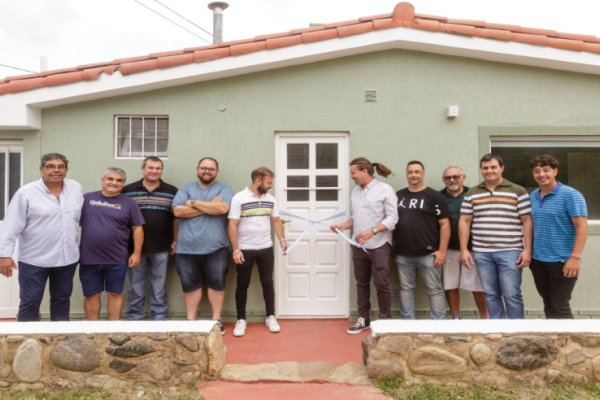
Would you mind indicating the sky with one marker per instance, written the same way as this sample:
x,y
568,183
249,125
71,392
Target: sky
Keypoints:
x,y
68,33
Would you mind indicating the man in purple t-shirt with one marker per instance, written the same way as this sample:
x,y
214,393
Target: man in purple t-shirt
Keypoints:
x,y
108,219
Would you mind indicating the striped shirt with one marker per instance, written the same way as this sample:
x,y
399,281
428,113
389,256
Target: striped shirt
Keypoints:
x,y
156,209
553,230
255,213
497,224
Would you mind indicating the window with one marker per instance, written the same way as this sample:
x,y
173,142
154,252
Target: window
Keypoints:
x,y
141,136
10,173
579,158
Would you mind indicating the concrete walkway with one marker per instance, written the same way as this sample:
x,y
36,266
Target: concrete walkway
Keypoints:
x,y
314,358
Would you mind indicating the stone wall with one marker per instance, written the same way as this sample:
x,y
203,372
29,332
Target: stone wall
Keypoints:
x,y
108,354
461,352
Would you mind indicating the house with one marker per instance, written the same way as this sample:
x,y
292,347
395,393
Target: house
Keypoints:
x,y
392,87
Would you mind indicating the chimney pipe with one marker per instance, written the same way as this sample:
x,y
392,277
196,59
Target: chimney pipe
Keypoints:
x,y
218,7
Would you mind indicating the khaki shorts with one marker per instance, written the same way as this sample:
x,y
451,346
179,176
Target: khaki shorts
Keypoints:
x,y
458,276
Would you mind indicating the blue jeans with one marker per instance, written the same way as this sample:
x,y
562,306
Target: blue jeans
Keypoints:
x,y
432,278
501,279
32,283
153,267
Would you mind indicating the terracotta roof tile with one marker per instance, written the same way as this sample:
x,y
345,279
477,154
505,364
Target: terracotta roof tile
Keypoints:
x,y
479,24
138,66
386,23
496,34
373,17
166,54
245,48
356,29
309,29
459,29
566,44
318,36
434,17
175,60
211,54
272,36
537,40
428,25
285,41
591,47
342,23
402,15
404,12
502,27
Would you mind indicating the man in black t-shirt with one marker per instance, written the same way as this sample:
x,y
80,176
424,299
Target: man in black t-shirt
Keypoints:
x,y
421,242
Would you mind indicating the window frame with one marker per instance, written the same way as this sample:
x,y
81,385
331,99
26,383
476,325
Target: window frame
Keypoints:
x,y
8,147
584,134
139,155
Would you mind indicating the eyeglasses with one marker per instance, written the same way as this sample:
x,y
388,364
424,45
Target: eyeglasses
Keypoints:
x,y
208,169
60,167
453,177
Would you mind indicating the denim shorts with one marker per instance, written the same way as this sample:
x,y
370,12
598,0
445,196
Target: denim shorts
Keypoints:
x,y
196,269
98,277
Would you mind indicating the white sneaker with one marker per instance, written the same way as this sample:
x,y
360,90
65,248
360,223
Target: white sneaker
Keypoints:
x,y
240,328
272,324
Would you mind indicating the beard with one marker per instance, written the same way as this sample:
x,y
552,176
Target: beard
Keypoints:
x,y
207,179
262,190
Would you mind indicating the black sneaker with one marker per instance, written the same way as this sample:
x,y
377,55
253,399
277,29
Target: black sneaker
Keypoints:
x,y
221,326
360,325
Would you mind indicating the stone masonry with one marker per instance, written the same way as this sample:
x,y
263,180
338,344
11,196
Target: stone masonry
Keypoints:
x,y
119,360
494,359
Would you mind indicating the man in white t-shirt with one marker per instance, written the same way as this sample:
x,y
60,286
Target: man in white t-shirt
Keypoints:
x,y
252,214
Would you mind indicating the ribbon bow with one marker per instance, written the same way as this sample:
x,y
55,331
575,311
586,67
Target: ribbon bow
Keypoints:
x,y
321,222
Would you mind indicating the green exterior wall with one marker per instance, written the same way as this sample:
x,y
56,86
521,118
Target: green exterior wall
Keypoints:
x,y
406,122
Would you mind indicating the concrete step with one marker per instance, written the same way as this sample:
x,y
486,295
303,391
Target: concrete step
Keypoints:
x,y
350,373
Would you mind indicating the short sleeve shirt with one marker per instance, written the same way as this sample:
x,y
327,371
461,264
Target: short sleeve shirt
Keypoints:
x,y
106,227
254,214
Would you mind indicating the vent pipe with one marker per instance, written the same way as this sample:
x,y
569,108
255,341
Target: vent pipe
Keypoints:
x,y
217,8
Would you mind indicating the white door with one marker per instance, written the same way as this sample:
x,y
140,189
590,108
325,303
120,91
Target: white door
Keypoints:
x,y
11,173
312,183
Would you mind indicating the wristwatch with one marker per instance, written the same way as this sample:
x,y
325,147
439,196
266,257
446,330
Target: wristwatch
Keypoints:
x,y
374,230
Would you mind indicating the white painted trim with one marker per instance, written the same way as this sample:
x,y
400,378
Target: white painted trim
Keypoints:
x,y
23,110
512,326
115,327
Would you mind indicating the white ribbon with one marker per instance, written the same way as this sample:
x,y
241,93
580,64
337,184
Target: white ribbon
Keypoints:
x,y
322,223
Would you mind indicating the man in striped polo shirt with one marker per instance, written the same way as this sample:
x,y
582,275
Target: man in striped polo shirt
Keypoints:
x,y
497,214
252,214
154,197
559,234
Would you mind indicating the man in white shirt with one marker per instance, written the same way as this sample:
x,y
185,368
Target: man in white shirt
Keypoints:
x,y
44,217
374,216
252,214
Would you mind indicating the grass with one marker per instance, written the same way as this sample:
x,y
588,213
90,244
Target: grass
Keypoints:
x,y
397,389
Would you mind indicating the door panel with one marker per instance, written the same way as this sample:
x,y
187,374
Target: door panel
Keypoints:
x,y
11,173
311,169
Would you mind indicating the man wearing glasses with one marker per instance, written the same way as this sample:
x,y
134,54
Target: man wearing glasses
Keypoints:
x,y
202,251
44,217
457,276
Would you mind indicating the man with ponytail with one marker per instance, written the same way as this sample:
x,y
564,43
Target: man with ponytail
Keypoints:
x,y
373,217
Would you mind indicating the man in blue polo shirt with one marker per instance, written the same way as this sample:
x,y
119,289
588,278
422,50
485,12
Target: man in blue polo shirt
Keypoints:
x,y
559,234
202,251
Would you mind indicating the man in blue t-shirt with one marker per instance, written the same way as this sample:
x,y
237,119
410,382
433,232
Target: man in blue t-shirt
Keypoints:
x,y
559,234
202,251
108,219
